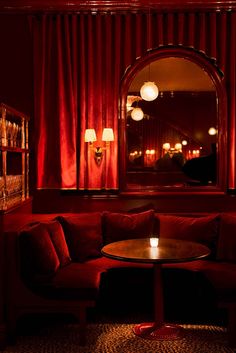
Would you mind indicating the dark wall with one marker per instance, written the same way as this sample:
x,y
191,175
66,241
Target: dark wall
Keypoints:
x,y
16,74
16,71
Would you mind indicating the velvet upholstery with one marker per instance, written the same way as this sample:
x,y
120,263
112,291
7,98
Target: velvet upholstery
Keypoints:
x,y
76,280
88,272
222,275
83,233
38,255
200,229
120,226
58,239
226,250
104,264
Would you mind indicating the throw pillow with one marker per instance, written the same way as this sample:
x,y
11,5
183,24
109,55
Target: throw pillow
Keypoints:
x,y
38,255
199,229
58,239
119,226
226,249
83,234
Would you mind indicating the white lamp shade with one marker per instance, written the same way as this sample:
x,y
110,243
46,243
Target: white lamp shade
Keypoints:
x,y
137,114
149,91
107,135
90,135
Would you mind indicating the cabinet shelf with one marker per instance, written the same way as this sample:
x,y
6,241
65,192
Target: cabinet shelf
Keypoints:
x,y
14,149
14,157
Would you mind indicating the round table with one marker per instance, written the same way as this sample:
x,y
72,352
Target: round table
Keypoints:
x,y
167,251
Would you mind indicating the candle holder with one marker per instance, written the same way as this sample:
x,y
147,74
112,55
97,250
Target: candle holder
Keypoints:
x,y
154,242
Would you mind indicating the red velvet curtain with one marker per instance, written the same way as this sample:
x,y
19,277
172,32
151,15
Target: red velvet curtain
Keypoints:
x,y
79,61
56,113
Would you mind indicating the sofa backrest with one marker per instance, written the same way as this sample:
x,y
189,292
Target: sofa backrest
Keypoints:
x,y
48,244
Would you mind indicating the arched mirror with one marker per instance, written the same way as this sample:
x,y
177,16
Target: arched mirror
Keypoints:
x,y
173,141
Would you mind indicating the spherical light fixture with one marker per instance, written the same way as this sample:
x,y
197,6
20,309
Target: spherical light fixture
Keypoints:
x,y
149,91
166,146
178,146
212,131
137,114
184,143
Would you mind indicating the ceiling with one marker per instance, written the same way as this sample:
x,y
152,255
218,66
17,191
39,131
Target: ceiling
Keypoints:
x,y
174,74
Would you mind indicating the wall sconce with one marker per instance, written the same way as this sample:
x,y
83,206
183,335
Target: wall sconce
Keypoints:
x,y
107,137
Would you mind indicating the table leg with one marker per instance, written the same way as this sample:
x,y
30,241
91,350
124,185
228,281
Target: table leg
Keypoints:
x,y
158,330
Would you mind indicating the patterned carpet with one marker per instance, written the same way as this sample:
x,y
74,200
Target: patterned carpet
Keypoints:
x,y
119,338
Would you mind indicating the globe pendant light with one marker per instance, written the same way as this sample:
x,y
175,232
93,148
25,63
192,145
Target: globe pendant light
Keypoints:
x,y
149,91
137,114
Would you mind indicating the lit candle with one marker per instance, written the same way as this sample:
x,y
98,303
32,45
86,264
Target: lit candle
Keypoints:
x,y
154,242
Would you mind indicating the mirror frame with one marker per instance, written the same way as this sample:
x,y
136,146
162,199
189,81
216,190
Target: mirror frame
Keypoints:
x,y
217,77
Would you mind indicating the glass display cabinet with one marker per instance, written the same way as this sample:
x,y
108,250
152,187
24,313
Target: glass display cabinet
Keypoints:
x,y
14,161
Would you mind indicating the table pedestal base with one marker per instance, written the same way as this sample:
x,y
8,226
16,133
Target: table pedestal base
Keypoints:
x,y
151,331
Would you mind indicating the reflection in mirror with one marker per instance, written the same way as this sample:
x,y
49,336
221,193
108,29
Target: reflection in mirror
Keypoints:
x,y
172,140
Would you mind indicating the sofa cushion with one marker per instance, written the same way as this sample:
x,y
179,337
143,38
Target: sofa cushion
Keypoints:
x,y
120,226
83,233
200,229
105,264
222,275
76,281
38,255
58,239
226,249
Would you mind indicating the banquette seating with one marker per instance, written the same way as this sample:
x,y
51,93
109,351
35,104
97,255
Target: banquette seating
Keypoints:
x,y
55,262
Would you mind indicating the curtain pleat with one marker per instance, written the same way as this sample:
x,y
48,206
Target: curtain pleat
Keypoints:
x,y
79,62
232,104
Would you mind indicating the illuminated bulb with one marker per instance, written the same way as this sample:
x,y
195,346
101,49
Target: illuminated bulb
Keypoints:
x,y
184,143
149,91
166,146
212,131
137,114
178,146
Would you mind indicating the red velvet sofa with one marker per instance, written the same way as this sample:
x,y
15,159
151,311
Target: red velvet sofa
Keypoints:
x,y
55,263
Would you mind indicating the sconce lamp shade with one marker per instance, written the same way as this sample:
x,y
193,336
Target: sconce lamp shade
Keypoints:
x,y
107,135
90,135
149,91
137,114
